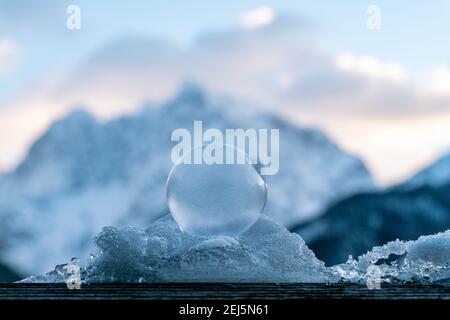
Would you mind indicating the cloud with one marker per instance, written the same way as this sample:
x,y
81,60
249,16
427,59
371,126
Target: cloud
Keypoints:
x,y
371,67
9,55
367,104
260,16
437,83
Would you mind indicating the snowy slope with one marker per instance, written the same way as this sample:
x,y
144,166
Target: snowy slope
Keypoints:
x,y
82,175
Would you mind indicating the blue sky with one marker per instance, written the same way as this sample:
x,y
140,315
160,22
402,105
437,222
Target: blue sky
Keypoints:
x,y
411,49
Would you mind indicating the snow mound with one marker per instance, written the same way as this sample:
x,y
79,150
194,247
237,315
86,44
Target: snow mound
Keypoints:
x,y
424,260
267,252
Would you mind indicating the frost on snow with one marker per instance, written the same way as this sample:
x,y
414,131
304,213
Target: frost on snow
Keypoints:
x,y
424,260
267,252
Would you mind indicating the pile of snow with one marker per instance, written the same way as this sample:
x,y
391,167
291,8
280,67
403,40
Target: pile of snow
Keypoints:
x,y
424,260
267,252
82,175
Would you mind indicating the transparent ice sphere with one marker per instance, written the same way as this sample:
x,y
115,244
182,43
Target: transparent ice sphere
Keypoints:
x,y
215,199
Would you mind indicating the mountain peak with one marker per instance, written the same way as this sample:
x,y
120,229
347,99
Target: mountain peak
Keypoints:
x,y
75,123
437,174
79,116
191,92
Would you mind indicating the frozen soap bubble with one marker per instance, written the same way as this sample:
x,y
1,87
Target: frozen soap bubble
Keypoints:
x,y
215,199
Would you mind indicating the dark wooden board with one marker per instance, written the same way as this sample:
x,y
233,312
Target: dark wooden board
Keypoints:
x,y
228,291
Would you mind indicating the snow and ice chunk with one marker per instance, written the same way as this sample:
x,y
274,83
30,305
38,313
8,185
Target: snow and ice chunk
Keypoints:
x,y
267,252
424,260
67,272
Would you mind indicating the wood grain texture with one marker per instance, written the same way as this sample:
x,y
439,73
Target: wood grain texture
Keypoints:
x,y
228,291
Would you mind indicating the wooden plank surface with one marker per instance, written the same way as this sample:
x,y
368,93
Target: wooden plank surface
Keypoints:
x,y
229,291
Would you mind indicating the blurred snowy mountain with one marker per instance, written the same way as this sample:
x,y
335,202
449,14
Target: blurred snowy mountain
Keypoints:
x,y
354,225
8,275
82,175
437,174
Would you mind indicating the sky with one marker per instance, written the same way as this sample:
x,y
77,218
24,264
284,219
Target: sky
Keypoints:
x,y
382,94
